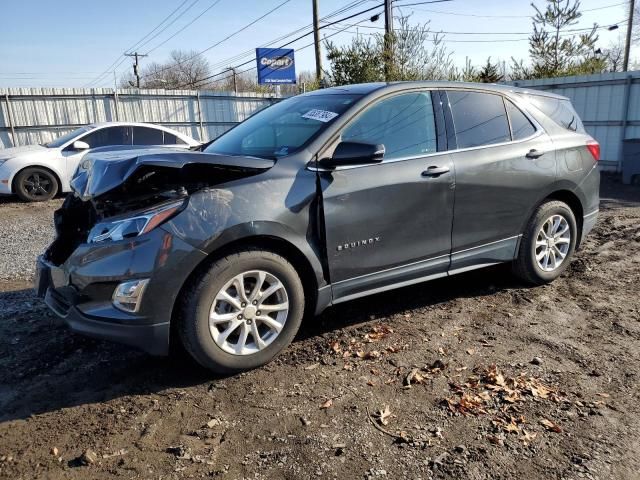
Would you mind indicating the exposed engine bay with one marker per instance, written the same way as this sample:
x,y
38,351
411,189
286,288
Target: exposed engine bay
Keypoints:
x,y
110,188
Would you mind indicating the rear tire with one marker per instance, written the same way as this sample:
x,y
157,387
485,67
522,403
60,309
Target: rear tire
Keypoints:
x,y
547,244
225,330
35,184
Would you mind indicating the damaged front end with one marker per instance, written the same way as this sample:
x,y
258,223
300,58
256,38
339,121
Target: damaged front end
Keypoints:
x,y
116,198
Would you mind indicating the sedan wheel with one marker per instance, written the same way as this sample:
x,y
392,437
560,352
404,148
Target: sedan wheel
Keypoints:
x,y
249,312
36,185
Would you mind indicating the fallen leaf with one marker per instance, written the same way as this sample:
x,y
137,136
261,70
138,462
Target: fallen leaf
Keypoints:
x,y
471,351
604,395
383,416
413,377
511,428
528,437
335,346
370,355
549,425
327,404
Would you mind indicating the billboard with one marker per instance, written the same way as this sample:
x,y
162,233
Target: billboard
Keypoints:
x,y
275,66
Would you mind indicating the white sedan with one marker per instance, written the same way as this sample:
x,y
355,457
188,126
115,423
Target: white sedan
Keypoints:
x,y
38,172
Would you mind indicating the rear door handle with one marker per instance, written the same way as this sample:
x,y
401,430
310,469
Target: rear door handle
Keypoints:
x,y
435,171
533,153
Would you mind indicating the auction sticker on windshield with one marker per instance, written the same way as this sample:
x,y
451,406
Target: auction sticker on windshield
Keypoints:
x,y
320,115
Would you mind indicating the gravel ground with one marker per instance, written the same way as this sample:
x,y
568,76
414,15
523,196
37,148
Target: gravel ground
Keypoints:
x,y
474,376
25,231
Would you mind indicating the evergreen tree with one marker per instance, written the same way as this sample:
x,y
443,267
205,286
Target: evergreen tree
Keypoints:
x,y
554,53
490,73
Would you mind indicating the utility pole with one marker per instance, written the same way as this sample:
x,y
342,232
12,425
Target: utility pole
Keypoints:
x,y
388,31
235,83
627,47
136,69
316,41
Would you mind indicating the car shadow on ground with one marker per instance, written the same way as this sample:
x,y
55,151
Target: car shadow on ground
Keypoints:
x,y
46,368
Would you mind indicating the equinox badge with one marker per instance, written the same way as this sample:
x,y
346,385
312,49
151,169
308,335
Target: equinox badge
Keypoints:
x,y
358,243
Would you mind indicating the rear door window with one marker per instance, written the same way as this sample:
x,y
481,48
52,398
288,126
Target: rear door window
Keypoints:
x,y
108,136
521,126
171,139
147,136
404,124
479,118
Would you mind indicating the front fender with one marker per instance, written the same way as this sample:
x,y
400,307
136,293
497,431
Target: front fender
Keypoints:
x,y
216,218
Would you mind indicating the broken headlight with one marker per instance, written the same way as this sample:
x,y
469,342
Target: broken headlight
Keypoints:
x,y
119,229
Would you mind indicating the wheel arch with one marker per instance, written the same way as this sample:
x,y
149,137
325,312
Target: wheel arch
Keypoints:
x,y
36,165
567,196
574,203
270,243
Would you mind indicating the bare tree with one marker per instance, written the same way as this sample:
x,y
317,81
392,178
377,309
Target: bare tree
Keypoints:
x,y
182,70
635,33
614,55
416,54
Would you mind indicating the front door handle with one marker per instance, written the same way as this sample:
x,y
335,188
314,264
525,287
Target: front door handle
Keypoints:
x,y
533,153
435,171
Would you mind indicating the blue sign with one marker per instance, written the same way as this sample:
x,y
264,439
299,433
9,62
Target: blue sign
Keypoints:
x,y
275,65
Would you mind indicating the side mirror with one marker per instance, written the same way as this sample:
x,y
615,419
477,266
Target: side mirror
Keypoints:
x,y
80,145
353,153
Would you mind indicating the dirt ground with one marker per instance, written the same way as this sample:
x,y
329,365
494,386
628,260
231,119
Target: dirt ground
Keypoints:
x,y
474,376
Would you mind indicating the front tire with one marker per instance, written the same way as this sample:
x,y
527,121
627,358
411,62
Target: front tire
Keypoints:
x,y
242,312
35,184
547,244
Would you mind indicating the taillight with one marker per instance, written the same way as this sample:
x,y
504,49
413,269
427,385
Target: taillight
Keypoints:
x,y
594,149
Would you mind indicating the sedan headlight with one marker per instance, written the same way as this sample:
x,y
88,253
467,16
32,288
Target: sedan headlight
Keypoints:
x,y
121,228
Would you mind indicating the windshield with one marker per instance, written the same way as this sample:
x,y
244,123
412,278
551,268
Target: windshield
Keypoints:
x,y
283,128
58,142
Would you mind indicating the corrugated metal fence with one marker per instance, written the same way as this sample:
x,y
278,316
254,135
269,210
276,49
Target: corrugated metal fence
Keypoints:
x,y
37,115
608,103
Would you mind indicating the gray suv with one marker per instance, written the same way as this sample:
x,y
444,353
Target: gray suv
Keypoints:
x,y
317,200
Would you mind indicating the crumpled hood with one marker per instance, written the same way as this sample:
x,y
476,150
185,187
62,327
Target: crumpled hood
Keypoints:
x,y
13,152
104,172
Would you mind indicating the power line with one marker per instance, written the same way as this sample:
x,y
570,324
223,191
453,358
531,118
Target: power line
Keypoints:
x,y
293,41
251,52
219,42
121,58
184,27
505,16
435,34
189,7
253,61
506,33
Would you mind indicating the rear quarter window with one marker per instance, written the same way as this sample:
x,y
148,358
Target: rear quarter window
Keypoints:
x,y
559,110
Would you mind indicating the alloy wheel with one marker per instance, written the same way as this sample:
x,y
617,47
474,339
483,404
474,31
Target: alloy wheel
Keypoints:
x,y
552,243
37,185
249,312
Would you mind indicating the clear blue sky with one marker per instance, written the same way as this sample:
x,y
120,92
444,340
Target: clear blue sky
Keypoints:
x,y
70,42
